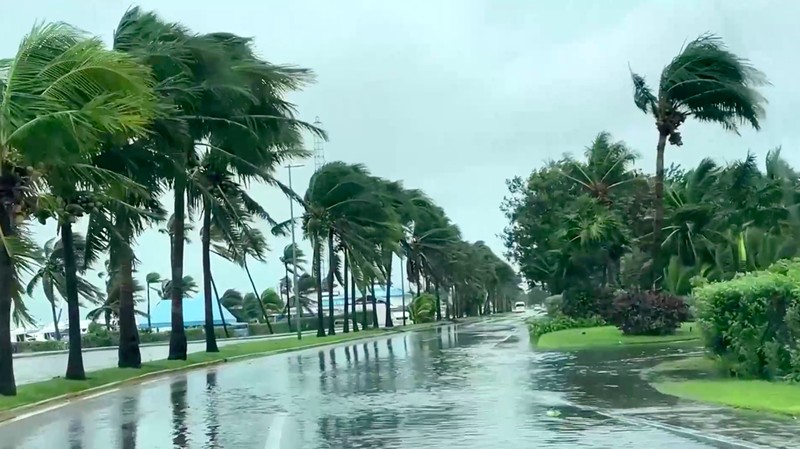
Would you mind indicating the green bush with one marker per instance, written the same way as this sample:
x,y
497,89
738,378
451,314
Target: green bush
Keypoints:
x,y
649,313
39,346
540,326
753,321
583,301
553,305
422,309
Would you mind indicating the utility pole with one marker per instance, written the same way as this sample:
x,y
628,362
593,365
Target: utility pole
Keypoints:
x,y
403,289
294,258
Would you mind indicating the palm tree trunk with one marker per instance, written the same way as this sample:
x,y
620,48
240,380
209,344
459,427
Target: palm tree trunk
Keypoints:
x,y
364,309
75,369
149,324
258,297
658,209
177,339
211,338
8,386
288,298
346,326
438,302
419,286
55,320
374,303
353,302
318,275
331,262
129,355
219,305
388,294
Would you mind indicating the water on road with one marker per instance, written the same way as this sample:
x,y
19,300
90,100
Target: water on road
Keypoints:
x,y
469,386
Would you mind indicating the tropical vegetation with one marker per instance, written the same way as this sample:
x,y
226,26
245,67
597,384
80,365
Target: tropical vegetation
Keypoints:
x,y
95,136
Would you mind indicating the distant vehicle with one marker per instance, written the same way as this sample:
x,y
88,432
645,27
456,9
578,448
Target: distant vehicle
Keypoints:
x,y
519,307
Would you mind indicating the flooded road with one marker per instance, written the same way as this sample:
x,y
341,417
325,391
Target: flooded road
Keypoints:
x,y
478,385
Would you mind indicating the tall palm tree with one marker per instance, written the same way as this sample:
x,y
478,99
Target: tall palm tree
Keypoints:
x,y
705,81
51,275
70,111
292,259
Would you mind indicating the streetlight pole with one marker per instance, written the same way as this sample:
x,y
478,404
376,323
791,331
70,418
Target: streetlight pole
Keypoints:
x,y
294,259
403,289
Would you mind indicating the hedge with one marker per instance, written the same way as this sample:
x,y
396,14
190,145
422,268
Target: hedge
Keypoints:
x,y
752,322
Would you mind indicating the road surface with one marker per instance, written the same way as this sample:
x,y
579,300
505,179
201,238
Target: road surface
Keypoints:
x,y
478,385
35,368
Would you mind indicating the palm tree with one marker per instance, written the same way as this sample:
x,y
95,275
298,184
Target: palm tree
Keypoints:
x,y
112,305
705,81
339,202
51,275
70,111
150,279
292,259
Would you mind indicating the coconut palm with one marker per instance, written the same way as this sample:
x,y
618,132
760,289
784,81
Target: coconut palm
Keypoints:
x,y
70,111
150,279
705,81
51,276
292,259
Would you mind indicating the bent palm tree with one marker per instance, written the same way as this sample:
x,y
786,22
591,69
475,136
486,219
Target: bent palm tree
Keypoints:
x,y
705,81
61,97
51,275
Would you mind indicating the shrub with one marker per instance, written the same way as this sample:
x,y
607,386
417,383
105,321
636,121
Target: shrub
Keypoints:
x,y
553,305
587,302
39,346
649,313
541,326
753,321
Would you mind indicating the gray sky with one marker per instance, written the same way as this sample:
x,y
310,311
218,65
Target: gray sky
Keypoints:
x,y
455,96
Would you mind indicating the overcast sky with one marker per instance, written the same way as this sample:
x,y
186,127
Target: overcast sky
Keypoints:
x,y
456,96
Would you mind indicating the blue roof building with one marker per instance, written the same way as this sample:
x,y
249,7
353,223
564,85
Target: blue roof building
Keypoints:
x,y
194,314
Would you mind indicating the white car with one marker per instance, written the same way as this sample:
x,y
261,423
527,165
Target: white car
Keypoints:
x,y
519,307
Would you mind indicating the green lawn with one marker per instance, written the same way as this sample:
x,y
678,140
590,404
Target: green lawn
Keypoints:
x,y
32,393
610,336
776,397
680,378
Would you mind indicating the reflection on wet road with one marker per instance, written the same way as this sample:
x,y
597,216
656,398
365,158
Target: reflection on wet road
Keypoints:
x,y
470,386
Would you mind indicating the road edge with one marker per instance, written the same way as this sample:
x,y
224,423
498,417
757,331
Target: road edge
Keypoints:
x,y
12,413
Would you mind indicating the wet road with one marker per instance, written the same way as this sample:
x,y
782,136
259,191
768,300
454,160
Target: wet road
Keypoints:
x,y
36,368
473,386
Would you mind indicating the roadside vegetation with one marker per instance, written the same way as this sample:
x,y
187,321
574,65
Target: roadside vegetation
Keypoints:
x,y
93,136
715,246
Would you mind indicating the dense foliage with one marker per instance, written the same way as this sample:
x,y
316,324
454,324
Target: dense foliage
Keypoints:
x,y
598,222
752,322
649,313
540,326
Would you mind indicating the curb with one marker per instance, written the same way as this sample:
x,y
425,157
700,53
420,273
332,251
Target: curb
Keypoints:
x,y
12,413
25,355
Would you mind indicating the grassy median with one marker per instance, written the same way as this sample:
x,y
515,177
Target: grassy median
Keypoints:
x,y
704,379
40,391
610,336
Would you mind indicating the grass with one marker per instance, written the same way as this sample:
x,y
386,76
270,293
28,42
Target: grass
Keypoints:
x,y
610,336
48,389
698,364
760,395
680,378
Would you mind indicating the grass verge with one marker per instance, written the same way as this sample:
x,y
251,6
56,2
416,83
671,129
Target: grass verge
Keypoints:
x,y
610,336
759,395
59,388
680,378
